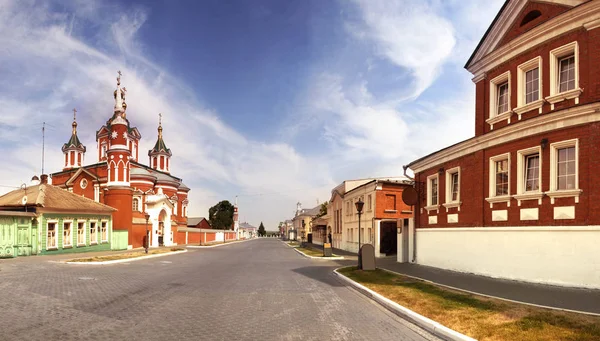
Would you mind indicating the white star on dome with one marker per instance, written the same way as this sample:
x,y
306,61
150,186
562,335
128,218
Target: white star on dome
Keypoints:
x,y
125,135
114,135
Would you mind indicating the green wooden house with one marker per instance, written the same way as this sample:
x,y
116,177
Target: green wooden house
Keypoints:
x,y
44,219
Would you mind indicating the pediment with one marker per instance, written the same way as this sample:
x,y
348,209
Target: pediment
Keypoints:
x,y
86,174
516,18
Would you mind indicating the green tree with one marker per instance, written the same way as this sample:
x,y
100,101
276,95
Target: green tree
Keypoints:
x,y
220,216
261,230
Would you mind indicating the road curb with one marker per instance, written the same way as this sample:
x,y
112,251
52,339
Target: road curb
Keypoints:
x,y
430,325
216,245
321,258
127,260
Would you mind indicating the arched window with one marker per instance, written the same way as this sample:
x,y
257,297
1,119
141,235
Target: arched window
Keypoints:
x,y
530,17
136,204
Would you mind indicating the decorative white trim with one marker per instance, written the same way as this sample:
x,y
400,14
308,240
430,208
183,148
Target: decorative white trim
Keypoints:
x,y
521,88
530,214
533,228
449,202
431,206
63,233
555,55
521,193
502,198
592,24
84,230
493,198
452,218
432,219
489,57
570,117
56,233
97,232
494,116
500,215
564,212
554,192
108,228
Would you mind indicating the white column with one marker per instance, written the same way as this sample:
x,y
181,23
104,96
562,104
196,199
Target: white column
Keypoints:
x,y
377,241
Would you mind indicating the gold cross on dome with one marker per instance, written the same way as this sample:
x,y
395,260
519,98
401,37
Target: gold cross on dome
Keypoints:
x,y
159,119
74,113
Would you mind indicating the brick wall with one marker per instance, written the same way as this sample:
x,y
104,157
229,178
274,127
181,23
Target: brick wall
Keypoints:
x,y
383,198
589,71
474,184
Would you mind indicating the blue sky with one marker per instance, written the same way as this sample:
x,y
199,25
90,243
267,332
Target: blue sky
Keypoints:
x,y
273,101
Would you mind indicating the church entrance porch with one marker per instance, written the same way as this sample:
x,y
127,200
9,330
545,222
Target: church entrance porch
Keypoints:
x,y
159,207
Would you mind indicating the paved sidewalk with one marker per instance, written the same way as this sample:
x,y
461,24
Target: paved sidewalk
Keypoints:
x,y
584,300
335,251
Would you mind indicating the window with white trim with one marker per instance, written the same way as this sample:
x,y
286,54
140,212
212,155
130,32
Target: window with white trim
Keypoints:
x,y
80,233
136,204
529,174
500,95
532,172
67,237
432,191
564,74
564,169
499,179
104,231
453,185
369,202
529,86
93,232
51,239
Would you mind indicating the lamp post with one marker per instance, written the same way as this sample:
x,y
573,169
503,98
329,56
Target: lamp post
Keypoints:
x,y
147,235
359,206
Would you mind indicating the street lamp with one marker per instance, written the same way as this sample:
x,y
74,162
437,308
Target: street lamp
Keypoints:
x,y
147,235
359,206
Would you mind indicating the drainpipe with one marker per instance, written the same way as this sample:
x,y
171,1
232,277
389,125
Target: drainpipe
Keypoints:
x,y
415,220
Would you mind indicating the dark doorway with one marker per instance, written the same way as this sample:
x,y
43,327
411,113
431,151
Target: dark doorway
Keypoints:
x,y
388,242
310,238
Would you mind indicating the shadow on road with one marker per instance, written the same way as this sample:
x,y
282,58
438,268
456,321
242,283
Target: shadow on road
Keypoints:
x,y
322,274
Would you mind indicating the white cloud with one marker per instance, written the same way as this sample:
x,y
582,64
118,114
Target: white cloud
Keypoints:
x,y
409,34
55,69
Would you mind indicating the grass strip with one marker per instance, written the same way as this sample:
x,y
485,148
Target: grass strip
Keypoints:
x,y
123,255
479,317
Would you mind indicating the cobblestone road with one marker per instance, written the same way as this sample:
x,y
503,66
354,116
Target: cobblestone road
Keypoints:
x,y
256,290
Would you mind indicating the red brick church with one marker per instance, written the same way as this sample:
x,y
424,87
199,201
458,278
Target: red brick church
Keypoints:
x,y
119,180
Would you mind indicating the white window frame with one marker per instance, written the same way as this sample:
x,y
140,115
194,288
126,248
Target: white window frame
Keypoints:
x,y
84,228
522,70
449,202
56,234
430,206
555,56
63,233
493,198
107,231
95,222
521,163
495,117
369,202
139,204
554,192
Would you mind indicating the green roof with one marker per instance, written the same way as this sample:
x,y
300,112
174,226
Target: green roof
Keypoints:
x,y
160,146
73,142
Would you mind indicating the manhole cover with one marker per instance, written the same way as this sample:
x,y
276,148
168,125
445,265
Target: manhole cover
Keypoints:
x,y
87,278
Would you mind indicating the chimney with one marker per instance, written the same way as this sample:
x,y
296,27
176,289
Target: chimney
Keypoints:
x,y
44,180
35,180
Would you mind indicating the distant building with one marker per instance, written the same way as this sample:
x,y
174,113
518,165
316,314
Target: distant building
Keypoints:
x,y
198,222
247,231
44,219
119,180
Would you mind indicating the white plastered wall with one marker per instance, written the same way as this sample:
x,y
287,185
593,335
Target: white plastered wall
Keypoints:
x,y
567,256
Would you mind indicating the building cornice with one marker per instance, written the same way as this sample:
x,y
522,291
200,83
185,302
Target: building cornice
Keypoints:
x,y
583,16
545,123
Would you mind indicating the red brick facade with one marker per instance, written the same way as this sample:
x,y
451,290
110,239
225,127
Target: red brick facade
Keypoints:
x,y
543,129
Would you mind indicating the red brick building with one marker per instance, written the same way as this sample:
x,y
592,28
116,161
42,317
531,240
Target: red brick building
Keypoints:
x,y
520,199
119,180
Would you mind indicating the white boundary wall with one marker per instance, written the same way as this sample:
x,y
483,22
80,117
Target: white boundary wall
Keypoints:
x,y
558,255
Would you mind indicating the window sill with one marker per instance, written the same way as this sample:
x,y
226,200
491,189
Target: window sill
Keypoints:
x,y
67,246
497,199
504,116
78,245
568,193
51,248
530,106
432,208
94,243
452,205
390,211
529,196
564,96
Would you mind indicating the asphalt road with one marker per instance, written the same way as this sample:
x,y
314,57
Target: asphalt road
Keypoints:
x,y
255,290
